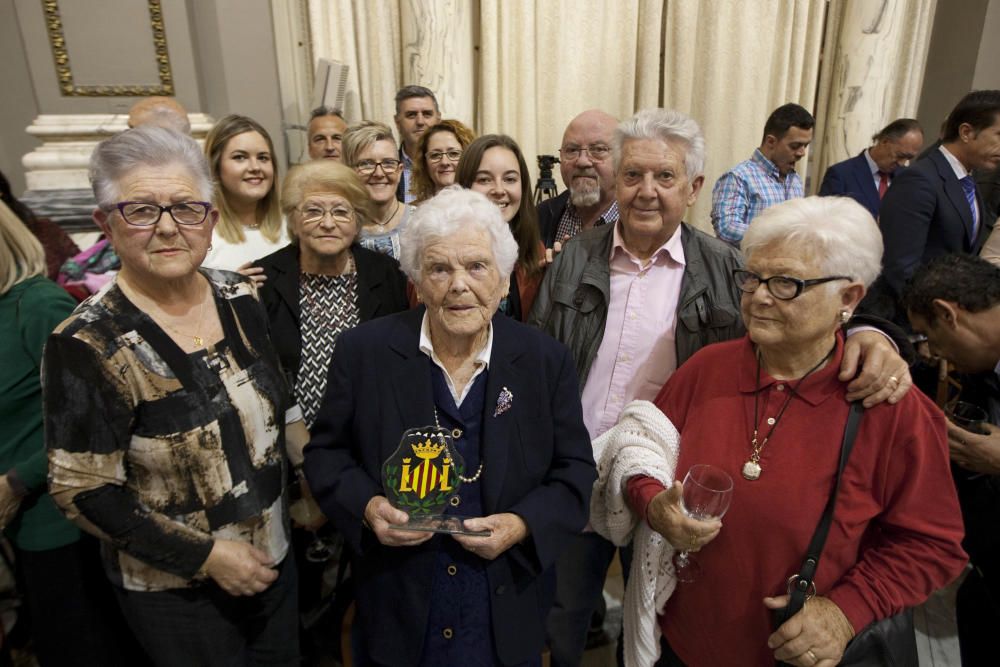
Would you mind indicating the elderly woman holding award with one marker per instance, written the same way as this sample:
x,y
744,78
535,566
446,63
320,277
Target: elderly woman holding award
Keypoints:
x,y
769,412
497,407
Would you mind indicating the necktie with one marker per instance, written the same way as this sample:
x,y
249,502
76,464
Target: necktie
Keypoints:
x,y
969,186
883,183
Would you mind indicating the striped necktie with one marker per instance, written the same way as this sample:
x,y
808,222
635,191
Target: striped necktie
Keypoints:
x,y
969,186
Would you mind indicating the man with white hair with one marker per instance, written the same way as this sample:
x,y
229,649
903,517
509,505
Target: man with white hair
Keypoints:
x,y
633,301
585,164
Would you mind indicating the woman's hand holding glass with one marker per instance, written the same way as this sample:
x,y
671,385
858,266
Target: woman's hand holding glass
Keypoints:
x,y
382,516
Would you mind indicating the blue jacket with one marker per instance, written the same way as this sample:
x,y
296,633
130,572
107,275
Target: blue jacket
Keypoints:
x,y
852,178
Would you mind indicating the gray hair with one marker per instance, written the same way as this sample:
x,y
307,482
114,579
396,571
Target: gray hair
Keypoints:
x,y
407,92
444,214
838,230
326,111
665,125
144,146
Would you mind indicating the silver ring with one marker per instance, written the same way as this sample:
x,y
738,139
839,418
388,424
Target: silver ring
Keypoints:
x,y
893,379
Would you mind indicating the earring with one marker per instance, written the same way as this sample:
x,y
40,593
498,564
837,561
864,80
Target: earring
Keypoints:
x,y
844,316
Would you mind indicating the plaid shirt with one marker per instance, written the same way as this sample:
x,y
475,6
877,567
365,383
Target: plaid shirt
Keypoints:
x,y
570,224
742,193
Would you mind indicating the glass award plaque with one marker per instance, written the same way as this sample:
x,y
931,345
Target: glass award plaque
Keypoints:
x,y
421,477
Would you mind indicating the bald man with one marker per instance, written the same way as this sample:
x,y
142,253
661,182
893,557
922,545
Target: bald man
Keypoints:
x,y
585,164
160,112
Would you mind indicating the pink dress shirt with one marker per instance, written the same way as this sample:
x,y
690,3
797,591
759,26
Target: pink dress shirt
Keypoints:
x,y
638,353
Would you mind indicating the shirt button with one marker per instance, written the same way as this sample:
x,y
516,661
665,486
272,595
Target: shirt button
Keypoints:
x,y
781,387
448,633
455,501
770,421
452,570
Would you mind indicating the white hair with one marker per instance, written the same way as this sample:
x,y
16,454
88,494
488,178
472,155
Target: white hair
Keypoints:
x,y
665,125
444,214
149,146
839,231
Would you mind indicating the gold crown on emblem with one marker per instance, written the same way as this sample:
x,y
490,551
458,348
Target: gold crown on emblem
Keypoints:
x,y
428,450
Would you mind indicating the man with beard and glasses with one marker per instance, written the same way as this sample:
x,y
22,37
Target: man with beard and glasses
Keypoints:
x,y
585,164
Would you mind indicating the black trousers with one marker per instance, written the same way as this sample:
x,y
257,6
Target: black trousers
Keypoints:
x,y
207,626
71,607
977,610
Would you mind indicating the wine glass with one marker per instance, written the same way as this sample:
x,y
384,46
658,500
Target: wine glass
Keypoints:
x,y
707,493
970,417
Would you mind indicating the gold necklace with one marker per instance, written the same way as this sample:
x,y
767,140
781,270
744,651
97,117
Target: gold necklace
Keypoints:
x,y
199,342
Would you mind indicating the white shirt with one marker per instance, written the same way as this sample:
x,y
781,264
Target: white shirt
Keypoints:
x,y
960,173
482,360
230,256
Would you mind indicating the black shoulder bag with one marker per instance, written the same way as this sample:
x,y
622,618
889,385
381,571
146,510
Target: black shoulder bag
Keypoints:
x,y
886,643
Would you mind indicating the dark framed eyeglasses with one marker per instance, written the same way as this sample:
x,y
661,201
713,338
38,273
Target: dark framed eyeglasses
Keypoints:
x,y
785,288
367,167
597,152
147,214
436,156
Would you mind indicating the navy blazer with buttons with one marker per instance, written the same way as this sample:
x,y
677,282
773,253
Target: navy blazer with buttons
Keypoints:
x,y
537,463
925,214
852,178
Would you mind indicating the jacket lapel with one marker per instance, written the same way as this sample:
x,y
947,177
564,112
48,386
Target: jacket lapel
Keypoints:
x,y
500,432
953,189
369,281
286,282
411,375
865,183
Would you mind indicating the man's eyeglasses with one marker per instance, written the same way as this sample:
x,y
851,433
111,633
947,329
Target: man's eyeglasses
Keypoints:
x,y
147,214
785,288
597,152
367,167
437,156
313,215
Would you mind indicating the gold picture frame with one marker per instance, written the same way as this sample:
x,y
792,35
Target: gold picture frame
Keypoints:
x,y
57,41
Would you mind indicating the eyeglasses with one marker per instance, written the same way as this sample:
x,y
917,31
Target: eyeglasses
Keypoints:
x,y
313,215
367,167
785,288
437,156
597,152
147,214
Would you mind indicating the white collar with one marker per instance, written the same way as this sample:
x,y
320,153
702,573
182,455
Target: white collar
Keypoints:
x,y
956,166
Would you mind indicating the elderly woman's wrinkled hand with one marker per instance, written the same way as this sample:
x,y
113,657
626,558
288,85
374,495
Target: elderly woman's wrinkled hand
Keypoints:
x,y
816,636
974,451
884,376
506,530
254,273
666,516
382,516
239,568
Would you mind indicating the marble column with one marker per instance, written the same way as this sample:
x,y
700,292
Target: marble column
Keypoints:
x,y
56,171
439,52
874,60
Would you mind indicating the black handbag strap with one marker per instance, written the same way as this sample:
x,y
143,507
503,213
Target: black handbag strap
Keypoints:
x,y
803,581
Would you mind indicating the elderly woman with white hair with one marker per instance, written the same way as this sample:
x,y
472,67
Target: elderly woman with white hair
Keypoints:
x,y
508,395
769,410
165,421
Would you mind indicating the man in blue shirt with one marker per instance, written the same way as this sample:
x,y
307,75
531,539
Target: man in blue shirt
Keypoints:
x,y
767,178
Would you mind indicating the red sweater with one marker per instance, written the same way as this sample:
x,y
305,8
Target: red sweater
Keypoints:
x,y
896,533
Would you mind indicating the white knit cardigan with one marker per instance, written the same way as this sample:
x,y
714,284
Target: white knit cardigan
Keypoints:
x,y
643,442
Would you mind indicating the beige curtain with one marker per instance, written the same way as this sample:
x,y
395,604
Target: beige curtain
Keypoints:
x,y
877,55
526,67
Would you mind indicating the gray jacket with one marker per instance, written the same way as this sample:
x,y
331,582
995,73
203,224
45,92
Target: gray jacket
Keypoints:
x,y
572,302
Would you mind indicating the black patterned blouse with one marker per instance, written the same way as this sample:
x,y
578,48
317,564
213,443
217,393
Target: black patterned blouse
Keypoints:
x,y
329,306
161,451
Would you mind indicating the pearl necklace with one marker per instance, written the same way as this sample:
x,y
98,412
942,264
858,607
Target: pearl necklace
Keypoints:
x,y
479,470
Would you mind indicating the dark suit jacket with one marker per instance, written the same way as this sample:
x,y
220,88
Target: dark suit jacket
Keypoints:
x,y
550,212
381,290
925,214
852,178
537,463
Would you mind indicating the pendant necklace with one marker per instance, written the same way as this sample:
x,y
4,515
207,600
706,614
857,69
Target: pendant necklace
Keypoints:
x,y
385,222
479,470
752,468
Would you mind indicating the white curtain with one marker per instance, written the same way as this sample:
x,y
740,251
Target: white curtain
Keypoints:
x,y
526,67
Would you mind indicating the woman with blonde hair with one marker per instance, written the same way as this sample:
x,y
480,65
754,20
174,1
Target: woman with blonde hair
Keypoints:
x,y
57,587
241,156
438,153
370,150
